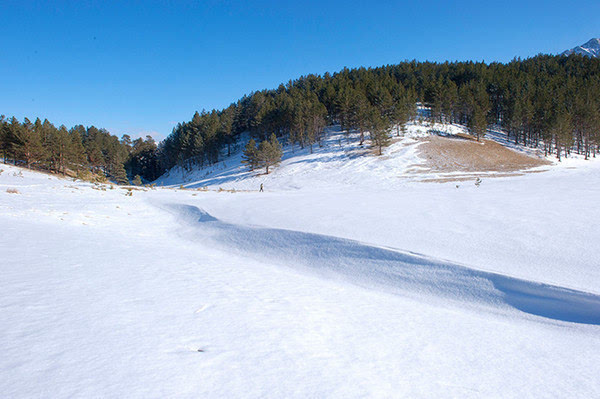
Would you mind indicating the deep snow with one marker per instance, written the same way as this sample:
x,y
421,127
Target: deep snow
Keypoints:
x,y
361,283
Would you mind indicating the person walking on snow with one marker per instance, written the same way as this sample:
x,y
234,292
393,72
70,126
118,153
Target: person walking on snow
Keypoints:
x,y
261,188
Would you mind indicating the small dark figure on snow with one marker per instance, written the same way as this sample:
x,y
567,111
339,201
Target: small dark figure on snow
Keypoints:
x,y
477,182
261,188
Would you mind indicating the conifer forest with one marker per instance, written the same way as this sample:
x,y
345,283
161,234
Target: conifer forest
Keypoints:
x,y
545,101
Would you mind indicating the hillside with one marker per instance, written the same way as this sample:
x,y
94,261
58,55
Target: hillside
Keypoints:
x,y
423,153
547,101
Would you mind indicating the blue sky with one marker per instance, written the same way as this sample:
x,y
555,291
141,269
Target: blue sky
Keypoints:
x,y
141,67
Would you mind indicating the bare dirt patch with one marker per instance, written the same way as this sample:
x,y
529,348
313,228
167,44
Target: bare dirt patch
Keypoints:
x,y
462,154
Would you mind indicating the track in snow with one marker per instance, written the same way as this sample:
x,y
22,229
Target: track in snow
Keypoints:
x,y
398,272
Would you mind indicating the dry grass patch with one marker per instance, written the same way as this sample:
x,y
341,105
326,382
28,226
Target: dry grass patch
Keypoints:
x,y
463,154
13,191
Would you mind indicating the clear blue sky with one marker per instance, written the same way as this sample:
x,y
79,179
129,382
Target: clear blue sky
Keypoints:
x,y
141,67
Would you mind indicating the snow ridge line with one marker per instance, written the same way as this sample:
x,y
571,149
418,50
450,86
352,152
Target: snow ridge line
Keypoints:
x,y
390,270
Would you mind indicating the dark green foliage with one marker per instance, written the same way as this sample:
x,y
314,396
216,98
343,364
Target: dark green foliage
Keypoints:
x,y
267,154
117,172
250,157
522,97
549,101
143,159
77,151
379,129
77,155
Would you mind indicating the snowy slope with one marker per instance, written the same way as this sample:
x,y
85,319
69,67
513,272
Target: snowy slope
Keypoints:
x,y
591,49
359,285
340,160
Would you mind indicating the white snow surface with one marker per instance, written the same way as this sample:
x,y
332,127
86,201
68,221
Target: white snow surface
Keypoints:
x,y
339,160
345,278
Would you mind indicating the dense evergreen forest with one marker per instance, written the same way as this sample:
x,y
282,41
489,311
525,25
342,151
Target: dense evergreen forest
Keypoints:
x,y
545,101
79,151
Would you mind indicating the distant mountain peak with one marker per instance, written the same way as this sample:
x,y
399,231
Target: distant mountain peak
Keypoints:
x,y
591,49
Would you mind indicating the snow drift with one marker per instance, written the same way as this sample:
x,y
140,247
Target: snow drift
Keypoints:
x,y
398,272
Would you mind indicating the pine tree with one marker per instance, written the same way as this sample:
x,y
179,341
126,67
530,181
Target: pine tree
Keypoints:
x,y
250,157
379,131
27,143
359,115
400,109
95,158
561,131
117,172
77,157
3,137
478,122
126,141
58,145
269,152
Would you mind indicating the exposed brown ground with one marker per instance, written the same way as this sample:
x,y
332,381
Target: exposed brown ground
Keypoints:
x,y
464,154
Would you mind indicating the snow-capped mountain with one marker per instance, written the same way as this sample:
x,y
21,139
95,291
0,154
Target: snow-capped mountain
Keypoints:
x,y
590,48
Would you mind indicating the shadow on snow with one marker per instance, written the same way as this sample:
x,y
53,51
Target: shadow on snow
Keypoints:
x,y
394,271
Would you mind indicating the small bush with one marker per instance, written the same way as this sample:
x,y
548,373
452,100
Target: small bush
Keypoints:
x,y
12,191
86,175
101,179
137,180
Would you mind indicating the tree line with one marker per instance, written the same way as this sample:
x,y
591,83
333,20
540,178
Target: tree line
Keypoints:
x,y
549,101
544,101
78,151
296,112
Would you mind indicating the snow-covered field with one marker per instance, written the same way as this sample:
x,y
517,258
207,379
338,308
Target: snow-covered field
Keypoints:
x,y
343,279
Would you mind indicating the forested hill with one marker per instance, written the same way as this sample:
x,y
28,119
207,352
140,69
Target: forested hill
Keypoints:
x,y
550,101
